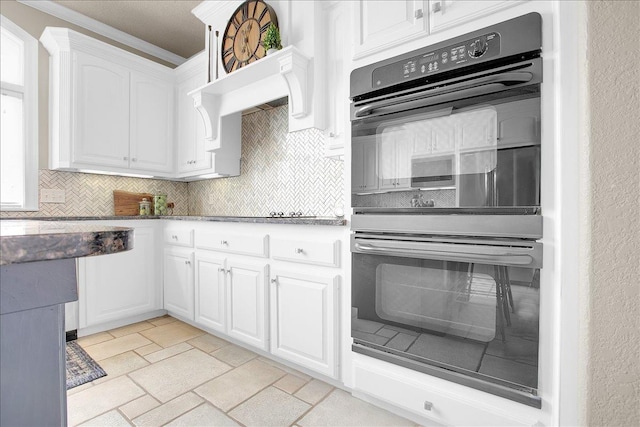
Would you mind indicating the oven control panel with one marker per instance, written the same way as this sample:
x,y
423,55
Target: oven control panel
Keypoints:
x,y
435,61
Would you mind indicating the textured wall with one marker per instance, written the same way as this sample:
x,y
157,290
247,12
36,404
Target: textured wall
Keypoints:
x,y
611,346
280,171
92,195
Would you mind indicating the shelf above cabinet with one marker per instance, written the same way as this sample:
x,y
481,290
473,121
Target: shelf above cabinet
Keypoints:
x,y
284,73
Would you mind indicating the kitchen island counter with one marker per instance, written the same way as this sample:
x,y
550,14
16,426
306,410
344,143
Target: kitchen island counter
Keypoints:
x,y
37,277
33,240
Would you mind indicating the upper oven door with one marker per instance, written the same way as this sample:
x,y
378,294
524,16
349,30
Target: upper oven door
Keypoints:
x,y
471,141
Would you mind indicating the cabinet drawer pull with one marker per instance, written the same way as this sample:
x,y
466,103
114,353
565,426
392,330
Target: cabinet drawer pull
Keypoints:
x,y
428,405
299,250
224,242
274,281
436,7
174,237
187,262
221,270
419,13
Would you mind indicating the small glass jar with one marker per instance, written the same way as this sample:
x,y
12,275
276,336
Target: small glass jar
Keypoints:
x,y
145,207
160,204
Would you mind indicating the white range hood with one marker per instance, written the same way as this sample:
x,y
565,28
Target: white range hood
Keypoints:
x,y
284,73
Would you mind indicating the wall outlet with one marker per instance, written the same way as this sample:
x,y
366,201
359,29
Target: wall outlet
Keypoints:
x,y
52,195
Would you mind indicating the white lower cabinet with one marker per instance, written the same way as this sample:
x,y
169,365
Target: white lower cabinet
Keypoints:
x,y
210,292
120,285
303,319
246,303
178,282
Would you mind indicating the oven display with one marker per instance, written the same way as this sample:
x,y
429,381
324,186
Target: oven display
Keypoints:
x,y
454,56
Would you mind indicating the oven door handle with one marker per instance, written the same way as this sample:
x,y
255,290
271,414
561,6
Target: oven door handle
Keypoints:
x,y
476,87
484,254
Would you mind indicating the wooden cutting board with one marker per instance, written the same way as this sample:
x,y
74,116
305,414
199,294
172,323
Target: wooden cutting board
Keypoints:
x,y
125,203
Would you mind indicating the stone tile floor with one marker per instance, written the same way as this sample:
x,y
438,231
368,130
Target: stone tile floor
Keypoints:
x,y
166,372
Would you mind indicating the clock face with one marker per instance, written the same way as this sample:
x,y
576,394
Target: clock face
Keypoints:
x,y
242,41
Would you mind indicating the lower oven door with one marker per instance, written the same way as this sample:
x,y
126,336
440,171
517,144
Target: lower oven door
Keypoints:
x,y
466,310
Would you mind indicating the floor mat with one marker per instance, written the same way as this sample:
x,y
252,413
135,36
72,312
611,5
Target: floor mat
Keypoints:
x,y
81,368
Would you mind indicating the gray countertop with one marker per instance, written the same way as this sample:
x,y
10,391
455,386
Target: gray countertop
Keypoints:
x,y
248,219
27,240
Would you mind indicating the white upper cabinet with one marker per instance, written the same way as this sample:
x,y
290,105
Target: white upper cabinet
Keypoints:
x,y
383,24
151,132
450,13
101,112
110,110
190,152
335,17
193,159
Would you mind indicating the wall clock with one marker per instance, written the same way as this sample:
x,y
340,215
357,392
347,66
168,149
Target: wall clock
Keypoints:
x,y
242,40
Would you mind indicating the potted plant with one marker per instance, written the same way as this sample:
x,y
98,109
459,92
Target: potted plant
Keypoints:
x,y
271,41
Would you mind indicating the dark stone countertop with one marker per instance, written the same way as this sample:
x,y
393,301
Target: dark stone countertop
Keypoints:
x,y
248,219
27,240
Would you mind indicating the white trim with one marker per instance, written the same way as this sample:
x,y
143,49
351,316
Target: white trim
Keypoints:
x,y
30,97
105,30
570,104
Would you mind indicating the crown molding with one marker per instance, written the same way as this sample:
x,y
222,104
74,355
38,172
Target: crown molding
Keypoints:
x,y
105,30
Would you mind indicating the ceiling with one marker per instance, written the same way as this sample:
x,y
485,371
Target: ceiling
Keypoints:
x,y
168,24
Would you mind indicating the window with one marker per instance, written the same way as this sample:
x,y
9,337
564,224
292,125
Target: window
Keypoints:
x,y
19,118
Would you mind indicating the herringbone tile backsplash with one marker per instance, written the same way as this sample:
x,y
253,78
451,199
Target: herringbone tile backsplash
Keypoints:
x,y
280,171
92,195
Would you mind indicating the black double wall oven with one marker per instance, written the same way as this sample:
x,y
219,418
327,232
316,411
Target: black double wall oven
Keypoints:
x,y
446,164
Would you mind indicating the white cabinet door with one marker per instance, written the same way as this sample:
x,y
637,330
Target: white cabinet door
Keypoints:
x,y
210,292
450,13
178,282
151,123
382,24
364,172
190,146
246,304
120,285
100,112
336,16
519,123
396,148
477,129
303,320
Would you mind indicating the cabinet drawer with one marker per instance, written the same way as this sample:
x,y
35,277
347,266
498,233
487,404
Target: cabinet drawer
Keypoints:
x,y
317,252
254,245
433,403
179,237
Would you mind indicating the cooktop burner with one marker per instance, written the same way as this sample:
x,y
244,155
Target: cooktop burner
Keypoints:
x,y
290,215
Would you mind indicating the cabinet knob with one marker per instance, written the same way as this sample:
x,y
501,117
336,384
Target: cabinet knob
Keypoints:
x,y
332,135
274,281
187,262
174,237
133,159
299,250
221,270
224,242
125,158
419,13
428,405
437,7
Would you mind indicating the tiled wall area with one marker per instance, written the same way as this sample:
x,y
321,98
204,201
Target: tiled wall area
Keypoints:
x,y
280,171
92,195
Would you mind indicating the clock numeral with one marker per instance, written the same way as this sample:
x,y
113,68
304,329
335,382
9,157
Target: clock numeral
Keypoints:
x,y
245,11
230,64
265,27
264,12
236,23
228,52
255,7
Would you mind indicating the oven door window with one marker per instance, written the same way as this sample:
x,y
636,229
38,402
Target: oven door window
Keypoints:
x,y
477,153
473,318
